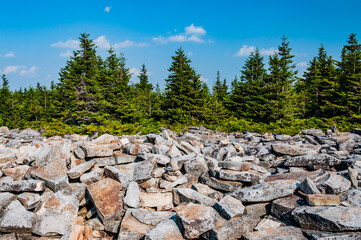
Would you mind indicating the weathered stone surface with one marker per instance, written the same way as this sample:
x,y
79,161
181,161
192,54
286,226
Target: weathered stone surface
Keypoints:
x,y
266,224
353,196
5,199
326,218
230,207
122,158
324,161
257,210
323,200
245,176
53,174
16,173
132,196
107,198
281,233
207,191
266,191
232,229
97,151
333,184
195,220
95,224
155,199
196,167
17,219
169,185
226,186
131,228
311,234
352,173
282,208
29,200
93,176
232,165
78,232
22,186
291,150
10,236
299,176
52,223
77,171
309,187
143,171
116,174
165,230
186,195
104,139
151,217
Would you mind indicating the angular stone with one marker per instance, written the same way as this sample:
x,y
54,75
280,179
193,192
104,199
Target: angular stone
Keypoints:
x,y
17,220
104,139
186,195
309,187
207,191
165,230
53,174
196,167
266,191
155,199
95,224
323,200
292,150
122,158
93,176
232,229
78,232
116,174
324,218
324,161
52,223
131,228
280,233
104,161
353,196
195,220
107,198
311,234
151,217
299,176
10,236
334,184
143,171
77,171
245,176
112,226
266,224
173,152
226,186
282,208
257,210
22,186
238,166
97,151
79,153
229,207
16,173
29,200
352,173
169,185
132,196
158,158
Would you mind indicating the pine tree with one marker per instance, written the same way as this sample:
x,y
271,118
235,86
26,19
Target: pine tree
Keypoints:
x,y
219,98
5,103
144,92
183,93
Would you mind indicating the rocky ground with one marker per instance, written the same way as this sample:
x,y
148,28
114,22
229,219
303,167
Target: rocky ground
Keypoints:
x,y
196,185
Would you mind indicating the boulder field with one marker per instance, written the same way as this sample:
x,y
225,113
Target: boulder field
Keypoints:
x,y
198,184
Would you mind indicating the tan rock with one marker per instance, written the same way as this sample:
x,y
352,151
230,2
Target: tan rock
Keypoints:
x,y
323,200
16,173
155,199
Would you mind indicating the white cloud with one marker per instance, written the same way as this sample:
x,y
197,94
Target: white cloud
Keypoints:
x,y
190,54
302,64
9,55
245,51
28,72
107,9
134,71
203,79
191,34
190,30
66,54
127,44
268,51
73,44
11,69
102,42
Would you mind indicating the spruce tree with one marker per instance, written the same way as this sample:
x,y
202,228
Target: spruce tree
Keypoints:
x,y
5,101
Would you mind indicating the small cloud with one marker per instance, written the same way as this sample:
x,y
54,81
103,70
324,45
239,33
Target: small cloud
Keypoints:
x,y
11,69
191,34
127,44
193,30
107,9
66,54
9,55
302,64
160,39
28,72
134,71
268,51
204,79
102,42
245,51
73,44
190,54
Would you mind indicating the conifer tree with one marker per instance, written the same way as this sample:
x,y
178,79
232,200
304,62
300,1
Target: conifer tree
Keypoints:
x,y
5,103
144,92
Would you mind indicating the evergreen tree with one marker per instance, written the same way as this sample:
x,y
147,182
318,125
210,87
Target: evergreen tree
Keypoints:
x,y
144,92
5,101
219,98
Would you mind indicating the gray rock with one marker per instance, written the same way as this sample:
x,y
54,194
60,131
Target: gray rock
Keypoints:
x,y
112,226
52,223
333,184
196,167
79,153
165,230
93,176
132,196
121,158
266,191
257,210
5,199
282,208
244,176
10,236
352,173
195,220
292,150
151,217
187,195
143,171
116,174
97,151
281,233
169,185
311,234
229,207
324,218
354,197
95,224
29,200
324,161
22,186
104,161
17,220
77,171
156,199
232,165
222,185
309,187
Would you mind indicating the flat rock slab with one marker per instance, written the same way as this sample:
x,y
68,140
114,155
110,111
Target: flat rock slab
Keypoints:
x,y
196,219
242,176
315,161
122,158
77,171
282,208
230,207
292,150
17,220
266,191
16,173
107,198
151,217
78,232
186,195
165,230
334,184
334,219
22,186
52,223
323,200
132,196
281,233
155,199
354,197
29,200
222,185
131,228
97,151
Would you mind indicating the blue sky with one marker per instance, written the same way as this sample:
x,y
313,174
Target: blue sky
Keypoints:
x,y
36,37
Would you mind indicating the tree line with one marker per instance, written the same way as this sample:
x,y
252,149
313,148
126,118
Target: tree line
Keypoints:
x,y
92,93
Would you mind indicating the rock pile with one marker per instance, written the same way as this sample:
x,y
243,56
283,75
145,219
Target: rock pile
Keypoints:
x,y
196,185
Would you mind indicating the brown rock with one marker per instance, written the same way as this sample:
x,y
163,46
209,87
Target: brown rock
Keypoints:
x,y
323,200
16,173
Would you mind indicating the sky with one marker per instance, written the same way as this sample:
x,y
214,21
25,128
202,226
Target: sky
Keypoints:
x,y
37,37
